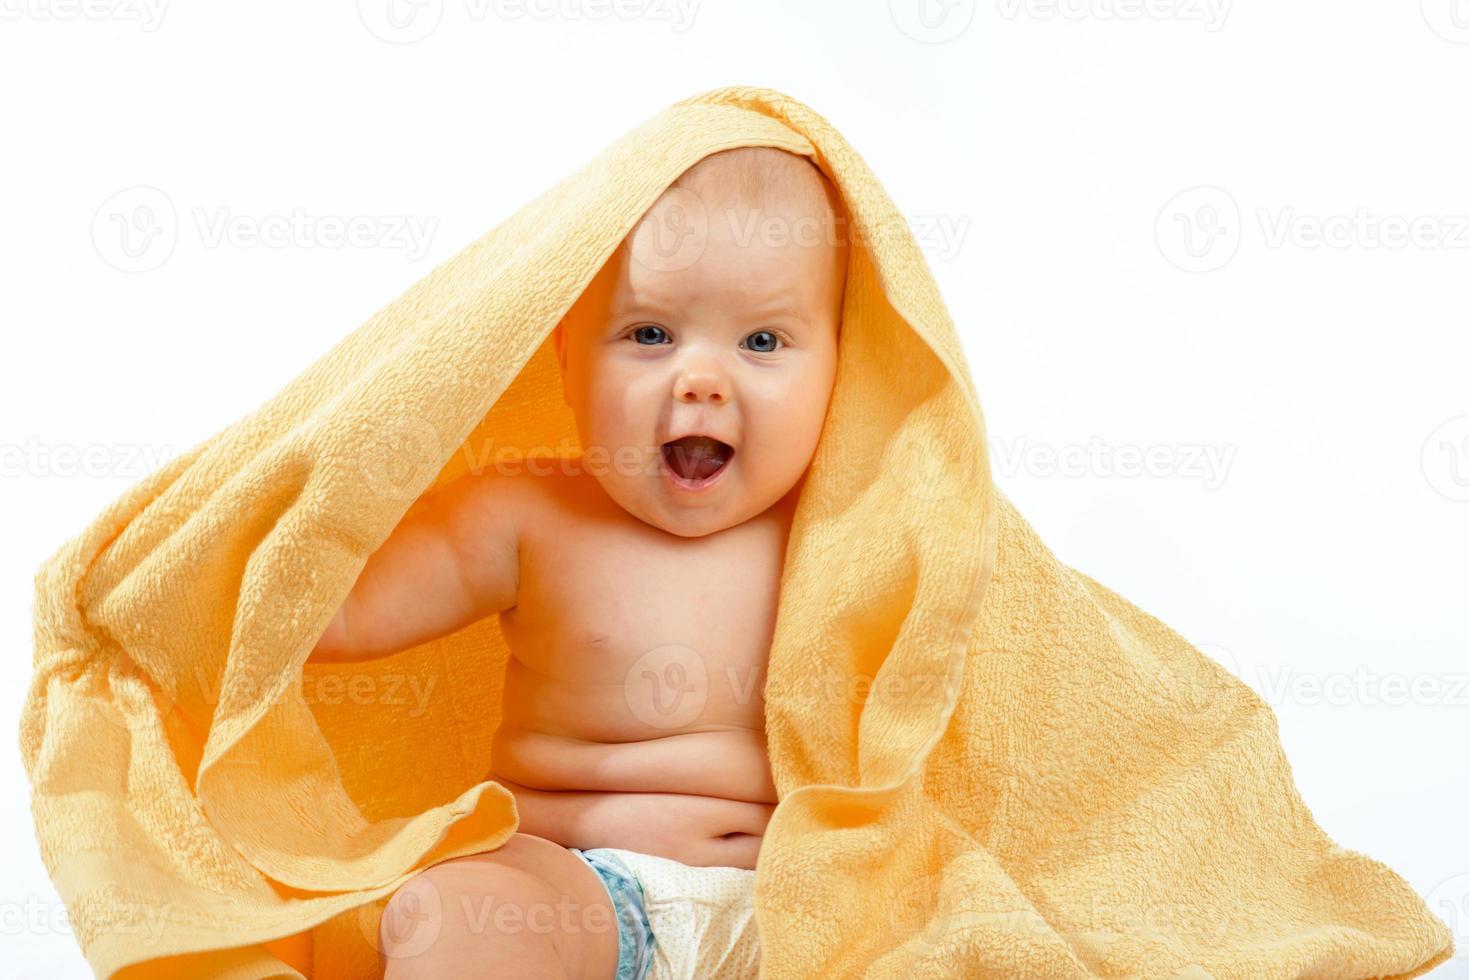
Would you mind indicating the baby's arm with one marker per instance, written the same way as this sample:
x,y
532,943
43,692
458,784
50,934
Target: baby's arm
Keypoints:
x,y
447,565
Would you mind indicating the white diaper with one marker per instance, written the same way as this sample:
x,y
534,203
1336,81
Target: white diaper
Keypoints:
x,y
703,919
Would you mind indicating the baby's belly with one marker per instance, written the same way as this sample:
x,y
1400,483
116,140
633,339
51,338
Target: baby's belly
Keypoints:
x,y
590,767
725,764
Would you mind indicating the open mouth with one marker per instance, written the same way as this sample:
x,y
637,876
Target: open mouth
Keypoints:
x,y
696,460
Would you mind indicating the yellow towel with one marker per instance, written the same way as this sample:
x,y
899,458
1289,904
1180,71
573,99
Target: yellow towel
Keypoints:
x,y
988,764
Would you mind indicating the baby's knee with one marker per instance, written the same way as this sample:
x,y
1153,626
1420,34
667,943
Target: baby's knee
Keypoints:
x,y
457,907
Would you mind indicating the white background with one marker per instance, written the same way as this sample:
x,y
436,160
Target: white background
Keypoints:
x,y
1289,341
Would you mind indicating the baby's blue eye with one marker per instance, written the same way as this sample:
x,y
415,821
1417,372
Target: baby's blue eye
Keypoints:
x,y
766,338
640,333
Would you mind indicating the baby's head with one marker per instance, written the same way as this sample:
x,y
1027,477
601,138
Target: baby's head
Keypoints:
x,y
700,359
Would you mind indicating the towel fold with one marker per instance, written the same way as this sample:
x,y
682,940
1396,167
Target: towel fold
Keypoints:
x,y
988,764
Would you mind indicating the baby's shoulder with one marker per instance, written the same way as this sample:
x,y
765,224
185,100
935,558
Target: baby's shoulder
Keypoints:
x,y
485,505
530,492
538,501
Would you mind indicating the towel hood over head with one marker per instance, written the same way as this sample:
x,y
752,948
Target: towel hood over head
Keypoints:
x,y
988,764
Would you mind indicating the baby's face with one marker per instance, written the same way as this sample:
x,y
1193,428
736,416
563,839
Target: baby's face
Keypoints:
x,y
737,345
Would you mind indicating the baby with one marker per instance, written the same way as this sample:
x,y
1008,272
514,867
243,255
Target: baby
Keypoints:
x,y
636,586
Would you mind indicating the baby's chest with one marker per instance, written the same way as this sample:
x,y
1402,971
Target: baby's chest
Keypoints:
x,y
598,606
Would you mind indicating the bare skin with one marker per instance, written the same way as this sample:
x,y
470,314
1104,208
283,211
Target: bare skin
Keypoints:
x,y
529,909
638,613
634,716
628,721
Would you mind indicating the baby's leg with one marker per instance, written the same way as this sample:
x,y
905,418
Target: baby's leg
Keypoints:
x,y
530,908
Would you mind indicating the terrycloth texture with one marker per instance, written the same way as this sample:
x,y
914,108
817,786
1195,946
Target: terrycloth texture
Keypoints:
x,y
988,764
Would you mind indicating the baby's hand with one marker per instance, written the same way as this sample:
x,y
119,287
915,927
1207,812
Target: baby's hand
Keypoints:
x,y
447,565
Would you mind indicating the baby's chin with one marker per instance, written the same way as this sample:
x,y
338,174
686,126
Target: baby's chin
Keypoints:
x,y
719,509
657,501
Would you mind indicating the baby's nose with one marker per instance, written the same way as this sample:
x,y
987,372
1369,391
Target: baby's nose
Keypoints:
x,y
703,382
